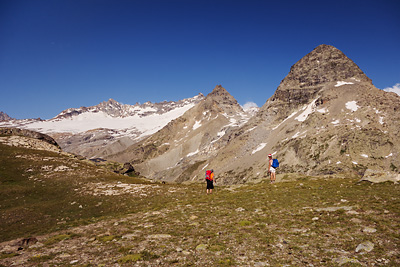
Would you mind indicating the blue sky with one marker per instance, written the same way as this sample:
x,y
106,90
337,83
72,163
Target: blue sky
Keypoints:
x,y
59,54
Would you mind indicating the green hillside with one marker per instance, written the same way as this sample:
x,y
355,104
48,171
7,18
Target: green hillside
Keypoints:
x,y
41,192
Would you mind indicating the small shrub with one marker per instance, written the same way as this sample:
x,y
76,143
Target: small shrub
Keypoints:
x,y
106,238
40,258
245,223
148,255
216,248
125,249
226,262
130,258
393,167
7,255
57,238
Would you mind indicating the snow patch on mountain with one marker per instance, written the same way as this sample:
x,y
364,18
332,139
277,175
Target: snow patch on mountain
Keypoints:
x,y
340,83
291,115
298,134
307,111
352,105
260,147
196,125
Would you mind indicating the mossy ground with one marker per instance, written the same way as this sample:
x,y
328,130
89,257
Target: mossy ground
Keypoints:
x,y
304,222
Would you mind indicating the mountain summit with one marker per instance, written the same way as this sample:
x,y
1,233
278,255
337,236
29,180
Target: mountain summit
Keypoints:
x,y
324,65
222,100
4,116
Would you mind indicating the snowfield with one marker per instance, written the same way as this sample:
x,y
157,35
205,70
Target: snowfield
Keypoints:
x,y
94,120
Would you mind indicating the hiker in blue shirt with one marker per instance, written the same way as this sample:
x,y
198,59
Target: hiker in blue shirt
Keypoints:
x,y
271,169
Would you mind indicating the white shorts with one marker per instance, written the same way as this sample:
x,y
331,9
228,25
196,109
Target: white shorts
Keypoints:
x,y
272,169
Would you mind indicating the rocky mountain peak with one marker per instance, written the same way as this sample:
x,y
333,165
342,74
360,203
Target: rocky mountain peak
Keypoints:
x,y
4,116
323,67
111,107
325,64
223,99
112,101
221,95
218,90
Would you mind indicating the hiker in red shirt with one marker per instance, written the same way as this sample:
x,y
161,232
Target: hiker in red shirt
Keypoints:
x,y
210,181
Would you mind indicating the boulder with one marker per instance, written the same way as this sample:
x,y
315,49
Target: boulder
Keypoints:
x,y
367,246
128,168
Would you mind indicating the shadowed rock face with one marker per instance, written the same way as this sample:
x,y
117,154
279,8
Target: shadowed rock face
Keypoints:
x,y
323,65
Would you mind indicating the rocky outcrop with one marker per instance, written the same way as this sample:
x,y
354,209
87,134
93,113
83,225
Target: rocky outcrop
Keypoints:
x,y
28,142
379,176
222,100
127,168
30,134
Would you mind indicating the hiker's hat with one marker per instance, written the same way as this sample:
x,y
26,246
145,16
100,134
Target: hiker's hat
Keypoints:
x,y
269,155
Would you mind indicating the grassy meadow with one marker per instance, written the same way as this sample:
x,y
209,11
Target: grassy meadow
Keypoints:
x,y
83,215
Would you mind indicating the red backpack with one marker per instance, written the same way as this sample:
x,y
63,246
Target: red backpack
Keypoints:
x,y
208,175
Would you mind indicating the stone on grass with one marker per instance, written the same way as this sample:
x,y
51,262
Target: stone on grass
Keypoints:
x,y
367,246
352,212
129,236
356,220
201,247
261,264
369,230
343,260
159,236
347,208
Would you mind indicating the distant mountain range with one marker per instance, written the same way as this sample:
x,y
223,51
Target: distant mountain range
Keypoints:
x,y
325,118
89,130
